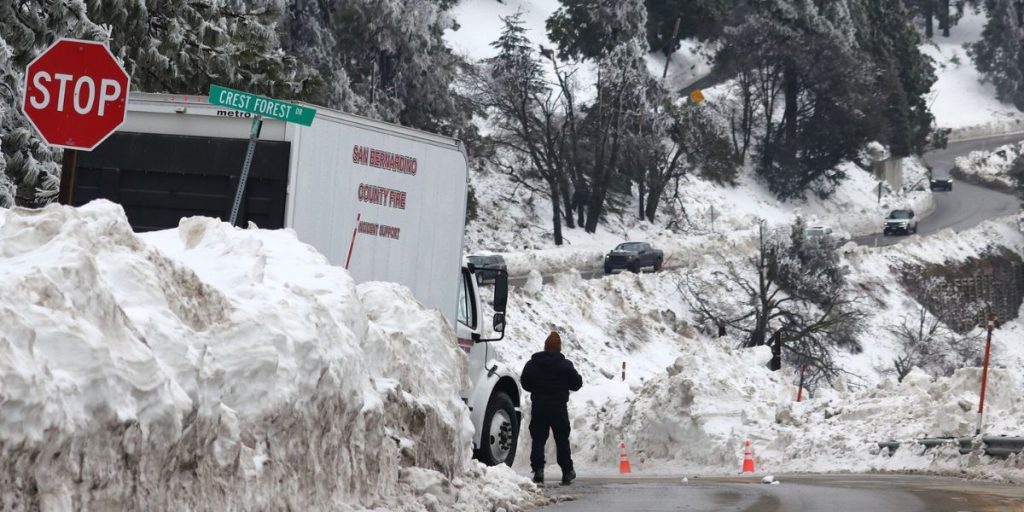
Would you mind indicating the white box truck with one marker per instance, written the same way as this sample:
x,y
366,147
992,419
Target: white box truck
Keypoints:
x,y
386,202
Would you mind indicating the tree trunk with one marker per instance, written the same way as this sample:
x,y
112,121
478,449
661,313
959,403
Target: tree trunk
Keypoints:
x,y
791,89
641,210
567,201
929,15
944,17
654,199
556,217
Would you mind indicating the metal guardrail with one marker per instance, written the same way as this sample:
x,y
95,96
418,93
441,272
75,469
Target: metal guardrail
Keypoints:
x,y
1003,446
993,446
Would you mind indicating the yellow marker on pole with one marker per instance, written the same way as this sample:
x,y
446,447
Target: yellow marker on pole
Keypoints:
x,y
697,96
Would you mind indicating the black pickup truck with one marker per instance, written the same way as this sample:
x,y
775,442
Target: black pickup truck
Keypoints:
x,y
633,256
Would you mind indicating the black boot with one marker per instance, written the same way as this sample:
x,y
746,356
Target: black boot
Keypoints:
x,y
538,477
568,477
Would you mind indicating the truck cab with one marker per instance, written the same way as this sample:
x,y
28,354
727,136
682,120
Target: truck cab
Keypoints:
x,y
495,396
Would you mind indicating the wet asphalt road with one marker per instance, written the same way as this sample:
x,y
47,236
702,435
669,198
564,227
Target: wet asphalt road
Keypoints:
x,y
795,493
963,208
966,205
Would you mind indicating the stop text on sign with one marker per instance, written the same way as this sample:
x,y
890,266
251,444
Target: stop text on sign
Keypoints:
x,y
86,96
76,94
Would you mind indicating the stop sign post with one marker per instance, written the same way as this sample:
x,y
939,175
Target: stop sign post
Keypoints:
x,y
75,94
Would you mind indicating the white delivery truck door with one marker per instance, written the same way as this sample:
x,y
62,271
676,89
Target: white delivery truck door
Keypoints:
x,y
386,202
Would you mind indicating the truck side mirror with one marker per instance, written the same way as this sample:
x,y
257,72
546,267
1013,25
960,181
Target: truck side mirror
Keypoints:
x,y
499,322
500,291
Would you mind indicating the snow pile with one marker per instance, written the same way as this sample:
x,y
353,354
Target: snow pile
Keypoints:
x,y
991,167
211,368
840,433
959,99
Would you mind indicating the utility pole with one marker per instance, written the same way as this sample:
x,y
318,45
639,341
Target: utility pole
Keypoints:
x,y
990,326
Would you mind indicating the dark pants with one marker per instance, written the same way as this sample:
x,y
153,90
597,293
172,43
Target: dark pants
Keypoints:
x,y
553,417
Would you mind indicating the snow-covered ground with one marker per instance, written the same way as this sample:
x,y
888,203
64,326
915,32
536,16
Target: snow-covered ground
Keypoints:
x,y
992,167
213,368
689,400
959,100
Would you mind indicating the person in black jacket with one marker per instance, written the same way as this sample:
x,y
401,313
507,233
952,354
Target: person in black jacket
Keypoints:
x,y
549,377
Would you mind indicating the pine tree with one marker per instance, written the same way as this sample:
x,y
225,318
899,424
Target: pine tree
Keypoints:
x,y
386,59
703,20
590,29
26,29
533,123
999,55
904,75
183,46
812,92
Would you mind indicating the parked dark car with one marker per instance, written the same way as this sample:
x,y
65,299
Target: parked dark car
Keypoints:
x,y
488,265
941,180
633,256
900,221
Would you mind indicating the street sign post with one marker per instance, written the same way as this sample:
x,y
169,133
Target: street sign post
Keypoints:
x,y
75,94
262,107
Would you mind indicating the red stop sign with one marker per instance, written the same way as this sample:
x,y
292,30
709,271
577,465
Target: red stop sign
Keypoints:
x,y
75,94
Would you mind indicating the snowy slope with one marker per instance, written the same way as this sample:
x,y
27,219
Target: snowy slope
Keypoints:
x,y
212,368
959,99
689,401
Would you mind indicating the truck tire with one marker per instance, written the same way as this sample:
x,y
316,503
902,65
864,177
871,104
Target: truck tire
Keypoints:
x,y
501,432
635,267
657,265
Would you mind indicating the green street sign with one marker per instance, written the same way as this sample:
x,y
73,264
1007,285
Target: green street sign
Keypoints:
x,y
259,105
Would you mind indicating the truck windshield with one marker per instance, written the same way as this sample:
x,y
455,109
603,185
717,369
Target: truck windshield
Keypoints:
x,y
900,214
630,247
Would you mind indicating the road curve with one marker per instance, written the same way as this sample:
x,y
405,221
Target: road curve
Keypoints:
x,y
966,205
795,493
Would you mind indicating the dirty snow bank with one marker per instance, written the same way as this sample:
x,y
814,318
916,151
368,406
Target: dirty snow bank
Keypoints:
x,y
991,166
212,368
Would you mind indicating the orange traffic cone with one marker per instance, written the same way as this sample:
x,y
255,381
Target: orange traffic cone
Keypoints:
x,y
748,459
623,461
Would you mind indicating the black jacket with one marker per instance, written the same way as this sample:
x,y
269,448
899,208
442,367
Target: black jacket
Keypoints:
x,y
549,376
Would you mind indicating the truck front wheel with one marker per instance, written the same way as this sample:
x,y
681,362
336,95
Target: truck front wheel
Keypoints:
x,y
501,432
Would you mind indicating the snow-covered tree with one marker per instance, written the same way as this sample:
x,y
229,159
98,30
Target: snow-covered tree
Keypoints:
x,y
383,58
534,120
903,77
26,29
591,29
758,299
999,55
183,46
810,93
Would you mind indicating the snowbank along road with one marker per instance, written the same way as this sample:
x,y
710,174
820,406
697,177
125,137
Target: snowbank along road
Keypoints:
x,y
966,205
797,493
